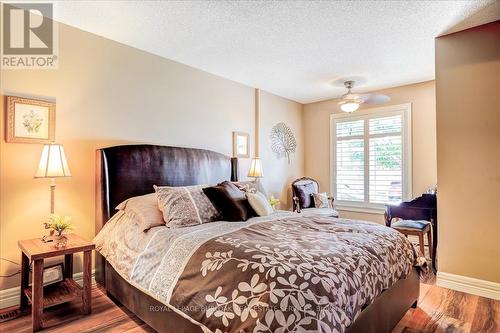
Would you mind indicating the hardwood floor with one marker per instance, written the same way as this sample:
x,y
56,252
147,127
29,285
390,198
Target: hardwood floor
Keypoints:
x,y
439,310
446,310
106,316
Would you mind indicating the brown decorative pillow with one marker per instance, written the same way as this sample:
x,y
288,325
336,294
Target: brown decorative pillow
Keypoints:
x,y
304,193
185,206
231,201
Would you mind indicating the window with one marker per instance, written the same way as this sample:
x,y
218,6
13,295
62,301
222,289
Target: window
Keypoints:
x,y
371,157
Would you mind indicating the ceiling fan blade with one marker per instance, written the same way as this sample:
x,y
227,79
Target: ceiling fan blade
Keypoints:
x,y
375,98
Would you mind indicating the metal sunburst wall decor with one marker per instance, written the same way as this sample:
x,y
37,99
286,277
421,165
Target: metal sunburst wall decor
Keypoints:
x,y
283,141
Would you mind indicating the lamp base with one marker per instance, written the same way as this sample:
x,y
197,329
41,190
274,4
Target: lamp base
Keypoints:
x,y
52,194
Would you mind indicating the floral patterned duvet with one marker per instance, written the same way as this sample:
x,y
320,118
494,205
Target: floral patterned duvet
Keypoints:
x,y
285,273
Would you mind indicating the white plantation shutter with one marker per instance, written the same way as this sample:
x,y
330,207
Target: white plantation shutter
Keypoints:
x,y
370,157
350,161
386,159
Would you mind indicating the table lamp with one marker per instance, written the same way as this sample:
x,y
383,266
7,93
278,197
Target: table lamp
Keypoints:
x,y
52,165
255,170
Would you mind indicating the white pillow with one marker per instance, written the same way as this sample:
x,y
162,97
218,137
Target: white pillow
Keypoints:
x,y
259,203
145,209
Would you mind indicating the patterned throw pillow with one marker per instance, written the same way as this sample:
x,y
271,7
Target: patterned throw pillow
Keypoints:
x,y
249,186
321,200
185,206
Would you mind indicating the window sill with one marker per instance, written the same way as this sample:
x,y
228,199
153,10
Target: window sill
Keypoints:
x,y
360,209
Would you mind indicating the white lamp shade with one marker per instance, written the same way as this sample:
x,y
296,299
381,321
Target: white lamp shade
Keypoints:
x,y
53,162
349,106
256,168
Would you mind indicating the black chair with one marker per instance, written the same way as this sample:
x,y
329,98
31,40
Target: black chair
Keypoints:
x,y
303,199
416,216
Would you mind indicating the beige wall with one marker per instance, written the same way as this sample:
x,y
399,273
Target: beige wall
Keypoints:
x,y
317,138
468,146
274,178
108,93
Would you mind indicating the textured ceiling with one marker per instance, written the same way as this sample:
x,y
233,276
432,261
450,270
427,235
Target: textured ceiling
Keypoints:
x,y
294,49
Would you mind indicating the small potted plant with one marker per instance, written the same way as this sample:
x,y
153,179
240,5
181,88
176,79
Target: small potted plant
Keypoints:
x,y
58,224
273,201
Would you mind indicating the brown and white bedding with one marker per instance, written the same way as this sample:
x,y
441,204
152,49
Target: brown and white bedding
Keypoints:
x,y
278,273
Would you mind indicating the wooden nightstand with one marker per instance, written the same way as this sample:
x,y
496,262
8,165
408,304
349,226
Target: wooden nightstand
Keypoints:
x,y
35,250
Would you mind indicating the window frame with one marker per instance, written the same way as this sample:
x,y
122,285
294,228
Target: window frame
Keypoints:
x,y
405,110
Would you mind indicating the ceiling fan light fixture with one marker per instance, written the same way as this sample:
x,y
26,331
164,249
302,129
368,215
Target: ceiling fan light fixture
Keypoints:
x,y
350,102
349,106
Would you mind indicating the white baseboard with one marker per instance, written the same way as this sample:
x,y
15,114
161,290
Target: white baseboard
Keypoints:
x,y
10,297
469,285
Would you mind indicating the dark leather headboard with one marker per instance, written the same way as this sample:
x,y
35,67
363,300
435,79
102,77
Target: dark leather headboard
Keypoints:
x,y
131,170
126,171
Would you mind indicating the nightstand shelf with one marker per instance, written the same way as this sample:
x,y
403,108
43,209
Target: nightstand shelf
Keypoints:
x,y
58,293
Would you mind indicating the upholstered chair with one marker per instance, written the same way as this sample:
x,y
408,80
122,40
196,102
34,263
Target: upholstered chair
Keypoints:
x,y
303,190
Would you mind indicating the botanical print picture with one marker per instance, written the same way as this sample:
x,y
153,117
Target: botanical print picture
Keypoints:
x,y
241,144
30,120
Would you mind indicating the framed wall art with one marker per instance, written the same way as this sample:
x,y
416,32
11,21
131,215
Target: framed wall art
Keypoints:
x,y
53,274
29,120
241,144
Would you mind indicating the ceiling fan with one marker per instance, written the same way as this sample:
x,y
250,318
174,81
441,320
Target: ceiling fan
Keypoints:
x,y
350,102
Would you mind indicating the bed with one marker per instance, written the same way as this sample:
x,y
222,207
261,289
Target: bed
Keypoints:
x,y
187,285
